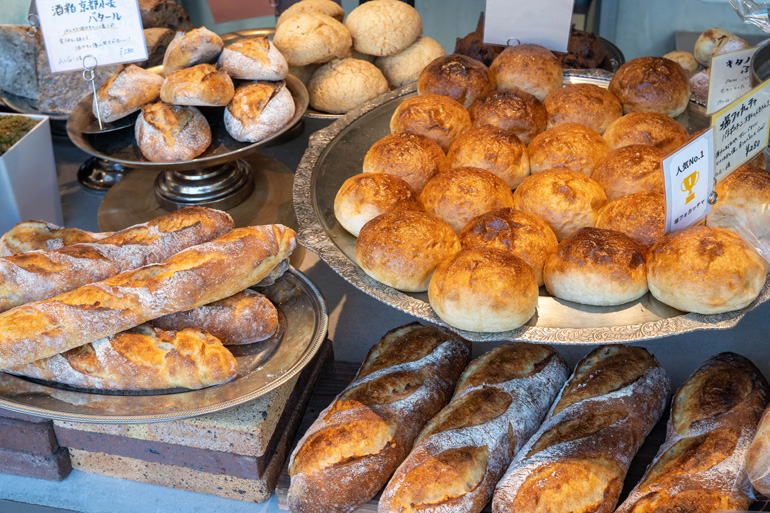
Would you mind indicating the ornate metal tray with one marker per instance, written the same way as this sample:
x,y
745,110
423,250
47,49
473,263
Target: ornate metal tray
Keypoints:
x,y
262,367
337,152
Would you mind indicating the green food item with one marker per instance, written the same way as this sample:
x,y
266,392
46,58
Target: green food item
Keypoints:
x,y
13,128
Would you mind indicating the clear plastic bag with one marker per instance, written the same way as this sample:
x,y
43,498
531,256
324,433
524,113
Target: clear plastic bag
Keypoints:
x,y
753,13
751,223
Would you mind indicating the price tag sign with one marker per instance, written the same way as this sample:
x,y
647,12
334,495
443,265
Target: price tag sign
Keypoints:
x,y
110,30
542,22
730,79
688,175
741,130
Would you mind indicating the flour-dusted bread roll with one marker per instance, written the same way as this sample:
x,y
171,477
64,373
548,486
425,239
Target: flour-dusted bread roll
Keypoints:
x,y
312,37
258,110
457,76
125,92
344,84
194,47
171,133
383,27
648,128
631,169
412,157
569,146
41,236
705,270
699,84
327,7
438,117
652,84
402,248
405,67
531,68
716,42
513,110
684,59
587,104
254,58
744,200
202,85
641,216
498,151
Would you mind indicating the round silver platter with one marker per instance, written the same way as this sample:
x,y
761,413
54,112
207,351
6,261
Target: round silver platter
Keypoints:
x,y
262,367
337,152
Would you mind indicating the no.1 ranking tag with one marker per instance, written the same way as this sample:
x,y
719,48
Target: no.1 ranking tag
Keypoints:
x,y
688,175
542,22
730,78
109,30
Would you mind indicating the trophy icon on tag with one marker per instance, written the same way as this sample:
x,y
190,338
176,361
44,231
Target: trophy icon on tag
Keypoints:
x,y
688,184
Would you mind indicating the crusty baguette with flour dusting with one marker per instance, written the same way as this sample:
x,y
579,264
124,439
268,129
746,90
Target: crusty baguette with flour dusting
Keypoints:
x,y
41,236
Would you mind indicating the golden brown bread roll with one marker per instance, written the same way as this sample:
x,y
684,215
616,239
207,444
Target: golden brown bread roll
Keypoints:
x,y
484,289
40,236
648,128
498,151
510,109
705,270
652,84
344,84
641,216
569,146
312,37
438,117
405,66
744,200
412,157
188,49
699,468
716,42
202,85
684,59
566,200
258,110
577,461
254,58
460,194
383,27
364,196
125,92
631,169
461,78
327,7
528,67
171,133
458,458
402,248
518,232
359,440
587,104
598,267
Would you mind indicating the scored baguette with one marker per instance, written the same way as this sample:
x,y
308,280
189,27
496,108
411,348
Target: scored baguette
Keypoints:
x,y
357,442
39,275
194,277
501,399
578,459
41,236
142,358
700,466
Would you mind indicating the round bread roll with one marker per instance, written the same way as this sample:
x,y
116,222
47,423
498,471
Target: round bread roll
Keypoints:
x,y
254,58
716,42
587,104
458,195
743,200
684,59
705,270
631,169
528,67
258,110
510,109
518,232
566,200
485,290
202,85
651,84
457,76
125,92
311,37
327,7
641,216
438,117
648,128
384,27
569,146
498,151
699,84
597,267
405,67
171,133
365,196
344,84
188,49
402,248
412,157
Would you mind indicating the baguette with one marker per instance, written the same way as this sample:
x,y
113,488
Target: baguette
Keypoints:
x,y
143,358
357,442
699,468
40,275
192,278
501,399
758,457
41,236
578,459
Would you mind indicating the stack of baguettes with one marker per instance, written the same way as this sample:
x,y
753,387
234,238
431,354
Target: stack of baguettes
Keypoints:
x,y
76,314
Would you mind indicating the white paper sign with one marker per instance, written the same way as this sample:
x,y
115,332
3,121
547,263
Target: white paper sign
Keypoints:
x,y
543,22
688,175
110,30
741,130
730,78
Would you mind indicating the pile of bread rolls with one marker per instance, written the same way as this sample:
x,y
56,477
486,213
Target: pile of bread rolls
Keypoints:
x,y
495,181
149,307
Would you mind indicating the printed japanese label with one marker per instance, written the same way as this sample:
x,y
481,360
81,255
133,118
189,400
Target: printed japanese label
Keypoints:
x,y
741,130
109,30
688,175
545,22
730,79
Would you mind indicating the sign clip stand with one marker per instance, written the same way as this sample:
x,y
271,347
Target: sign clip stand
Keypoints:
x,y
88,76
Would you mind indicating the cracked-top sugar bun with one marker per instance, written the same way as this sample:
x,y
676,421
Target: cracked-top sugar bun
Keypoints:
x,y
344,84
383,27
312,37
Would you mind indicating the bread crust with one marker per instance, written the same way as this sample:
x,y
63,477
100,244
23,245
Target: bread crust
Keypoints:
x,y
631,169
641,216
498,151
202,85
383,27
125,92
684,59
438,117
744,200
716,41
41,236
254,58
531,68
459,77
405,66
652,84
344,84
258,110
412,157
569,146
312,37
171,133
587,104
327,7
648,128
197,46
512,110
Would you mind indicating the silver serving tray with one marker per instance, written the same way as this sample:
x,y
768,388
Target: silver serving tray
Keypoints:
x,y
337,152
262,367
